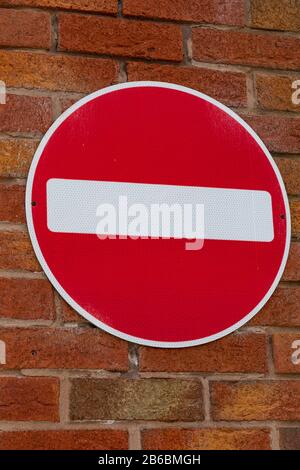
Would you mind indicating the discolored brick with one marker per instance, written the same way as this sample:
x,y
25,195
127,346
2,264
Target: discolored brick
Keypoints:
x,y
205,439
128,399
259,401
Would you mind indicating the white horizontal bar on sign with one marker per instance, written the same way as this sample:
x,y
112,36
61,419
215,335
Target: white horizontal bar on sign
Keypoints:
x,y
229,214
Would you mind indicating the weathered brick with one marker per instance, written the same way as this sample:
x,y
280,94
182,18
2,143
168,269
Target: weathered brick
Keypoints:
x,y
25,114
283,309
234,353
12,203
56,72
150,399
276,14
292,270
235,47
279,133
289,438
228,87
120,37
26,299
16,251
21,28
16,156
205,439
203,11
295,216
282,353
29,399
75,439
98,6
275,92
290,172
81,348
259,401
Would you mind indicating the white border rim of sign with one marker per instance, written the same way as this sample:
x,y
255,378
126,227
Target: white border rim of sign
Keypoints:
x,y
65,295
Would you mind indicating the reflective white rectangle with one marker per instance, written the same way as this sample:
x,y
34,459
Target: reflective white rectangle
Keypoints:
x,y
229,214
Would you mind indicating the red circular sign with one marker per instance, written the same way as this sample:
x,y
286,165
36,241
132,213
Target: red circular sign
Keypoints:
x,y
172,143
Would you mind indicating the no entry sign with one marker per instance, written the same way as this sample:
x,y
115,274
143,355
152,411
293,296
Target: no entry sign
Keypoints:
x,y
107,173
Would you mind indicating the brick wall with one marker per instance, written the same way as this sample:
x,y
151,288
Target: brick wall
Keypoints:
x,y
67,384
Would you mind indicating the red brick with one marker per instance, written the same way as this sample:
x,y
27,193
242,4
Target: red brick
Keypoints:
x,y
235,47
228,87
29,399
75,439
70,348
290,172
21,28
120,37
275,92
283,309
12,198
295,216
234,353
69,315
146,399
25,114
276,14
289,438
56,72
16,156
205,439
292,270
283,348
16,251
279,133
201,11
98,6
26,299
259,401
